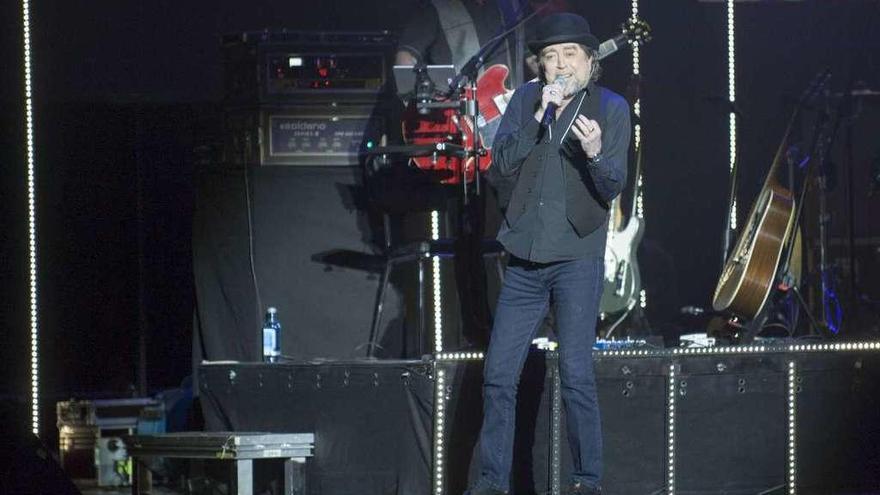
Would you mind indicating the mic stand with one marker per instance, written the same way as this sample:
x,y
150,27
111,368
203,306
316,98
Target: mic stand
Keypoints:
x,y
832,313
817,153
818,158
850,109
476,149
729,219
472,67
466,81
731,200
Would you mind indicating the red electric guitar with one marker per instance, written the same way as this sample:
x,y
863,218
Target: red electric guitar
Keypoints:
x,y
449,126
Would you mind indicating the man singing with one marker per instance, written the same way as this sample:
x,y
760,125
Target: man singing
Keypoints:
x,y
567,170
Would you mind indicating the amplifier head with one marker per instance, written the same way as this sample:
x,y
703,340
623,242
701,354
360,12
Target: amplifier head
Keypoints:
x,y
316,135
290,67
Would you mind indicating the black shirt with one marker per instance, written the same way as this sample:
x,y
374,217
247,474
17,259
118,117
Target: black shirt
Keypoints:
x,y
543,232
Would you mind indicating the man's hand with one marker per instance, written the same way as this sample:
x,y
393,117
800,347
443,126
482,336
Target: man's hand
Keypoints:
x,y
404,57
589,134
552,94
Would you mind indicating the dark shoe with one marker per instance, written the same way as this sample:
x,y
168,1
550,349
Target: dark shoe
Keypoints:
x,y
582,489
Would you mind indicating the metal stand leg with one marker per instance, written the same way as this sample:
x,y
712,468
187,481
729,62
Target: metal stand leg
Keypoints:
x,y
295,476
142,478
754,327
380,301
243,477
820,330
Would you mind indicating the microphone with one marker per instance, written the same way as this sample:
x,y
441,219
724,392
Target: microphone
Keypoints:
x,y
424,88
610,46
550,111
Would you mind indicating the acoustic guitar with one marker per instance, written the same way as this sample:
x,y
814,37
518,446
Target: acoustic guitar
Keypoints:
x,y
750,270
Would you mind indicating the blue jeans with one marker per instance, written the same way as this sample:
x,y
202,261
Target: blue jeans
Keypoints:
x,y
575,287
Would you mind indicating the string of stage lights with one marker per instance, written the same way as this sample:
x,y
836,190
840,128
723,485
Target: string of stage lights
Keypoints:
x,y
637,138
32,218
731,97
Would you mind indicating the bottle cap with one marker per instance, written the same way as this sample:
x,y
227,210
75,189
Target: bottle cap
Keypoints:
x,y
272,309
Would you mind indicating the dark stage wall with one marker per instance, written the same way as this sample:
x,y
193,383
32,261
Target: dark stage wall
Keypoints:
x,y
14,315
98,67
298,214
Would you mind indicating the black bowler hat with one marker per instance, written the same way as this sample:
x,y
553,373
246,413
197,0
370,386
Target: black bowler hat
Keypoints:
x,y
562,28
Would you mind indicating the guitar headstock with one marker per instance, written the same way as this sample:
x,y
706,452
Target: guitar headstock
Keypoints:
x,y
636,30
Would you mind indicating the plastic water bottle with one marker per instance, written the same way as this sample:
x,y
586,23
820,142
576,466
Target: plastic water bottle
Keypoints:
x,y
271,336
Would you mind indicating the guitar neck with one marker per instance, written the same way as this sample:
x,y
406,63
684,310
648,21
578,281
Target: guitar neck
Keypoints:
x,y
634,91
771,179
819,83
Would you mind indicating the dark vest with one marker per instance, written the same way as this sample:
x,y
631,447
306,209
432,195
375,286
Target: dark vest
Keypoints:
x,y
585,209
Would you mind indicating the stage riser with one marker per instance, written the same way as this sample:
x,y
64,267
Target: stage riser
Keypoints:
x,y
376,422
371,421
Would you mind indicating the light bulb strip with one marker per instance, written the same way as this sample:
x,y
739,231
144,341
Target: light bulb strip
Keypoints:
x,y
460,356
670,432
792,423
637,137
32,218
731,96
437,287
740,350
439,427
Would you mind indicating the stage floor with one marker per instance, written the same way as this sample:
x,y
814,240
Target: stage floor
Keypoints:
x,y
737,420
90,487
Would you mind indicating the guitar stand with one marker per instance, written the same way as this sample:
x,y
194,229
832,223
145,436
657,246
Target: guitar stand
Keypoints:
x,y
751,329
819,329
